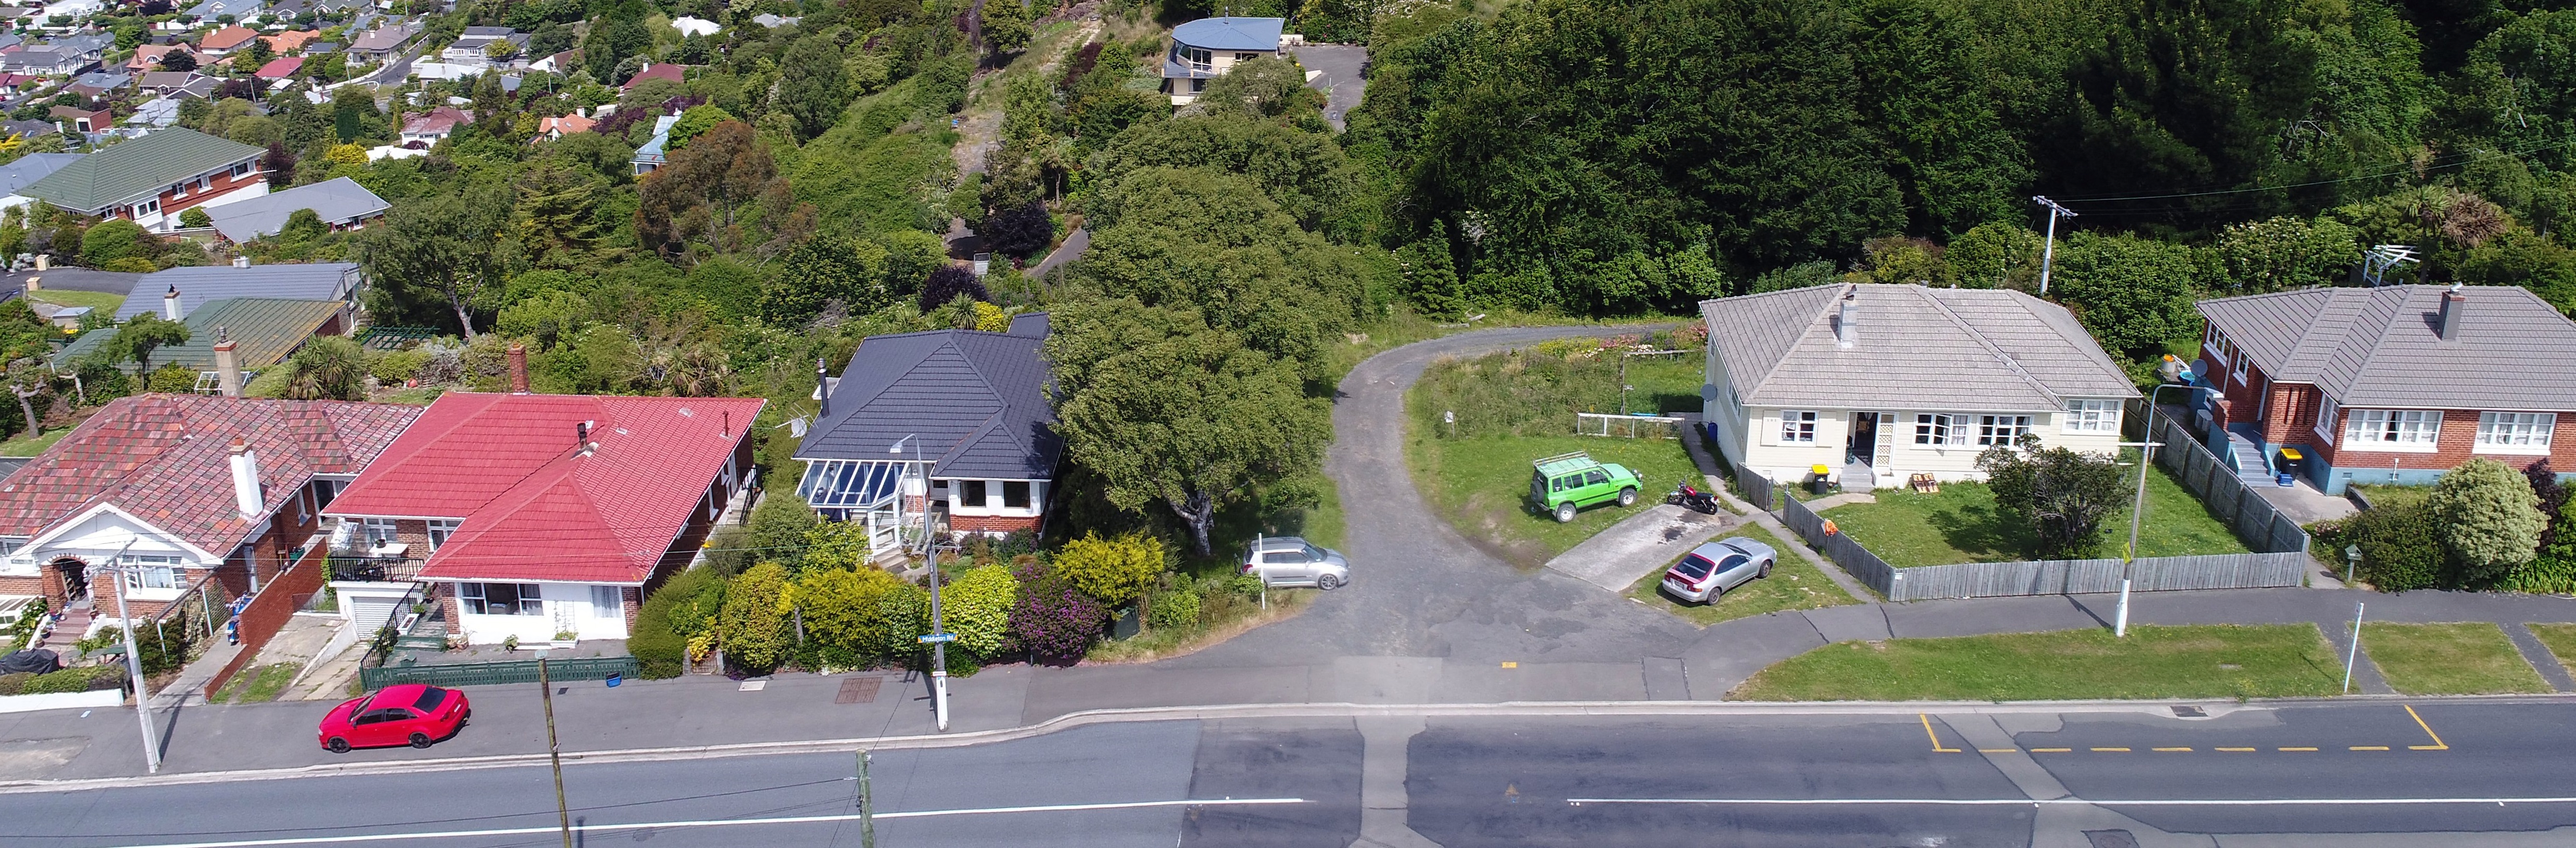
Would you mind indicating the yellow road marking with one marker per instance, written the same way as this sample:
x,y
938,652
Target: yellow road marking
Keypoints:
x,y
2050,750
2173,749
2438,744
2117,750
2287,748
1936,738
1999,750
2237,749
2369,748
1511,665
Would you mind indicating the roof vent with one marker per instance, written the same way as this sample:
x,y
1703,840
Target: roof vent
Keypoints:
x,y
1847,321
2454,305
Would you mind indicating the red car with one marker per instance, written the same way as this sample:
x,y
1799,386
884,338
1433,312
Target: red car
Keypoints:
x,y
412,714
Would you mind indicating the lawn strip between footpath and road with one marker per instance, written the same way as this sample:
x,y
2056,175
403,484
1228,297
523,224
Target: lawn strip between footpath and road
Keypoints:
x,y
1794,584
2560,639
1961,523
2467,658
2207,661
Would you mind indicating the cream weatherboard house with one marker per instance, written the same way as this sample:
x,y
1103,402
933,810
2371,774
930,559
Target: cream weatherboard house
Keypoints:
x,y
1878,383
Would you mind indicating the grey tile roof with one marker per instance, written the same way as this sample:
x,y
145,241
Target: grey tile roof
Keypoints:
x,y
32,167
337,200
1916,348
977,400
2379,347
202,285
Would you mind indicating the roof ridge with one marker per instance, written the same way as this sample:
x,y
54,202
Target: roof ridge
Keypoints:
x,y
1803,332
2379,332
1979,336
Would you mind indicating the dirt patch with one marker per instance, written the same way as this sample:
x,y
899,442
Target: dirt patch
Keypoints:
x,y
29,759
1284,604
1488,516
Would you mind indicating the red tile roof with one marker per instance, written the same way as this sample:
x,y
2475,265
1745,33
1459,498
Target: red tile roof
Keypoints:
x,y
534,508
654,71
279,68
228,37
165,459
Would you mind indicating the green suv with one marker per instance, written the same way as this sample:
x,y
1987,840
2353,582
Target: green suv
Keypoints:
x,y
1567,482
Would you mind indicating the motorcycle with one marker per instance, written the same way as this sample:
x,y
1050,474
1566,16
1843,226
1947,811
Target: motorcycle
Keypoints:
x,y
1690,498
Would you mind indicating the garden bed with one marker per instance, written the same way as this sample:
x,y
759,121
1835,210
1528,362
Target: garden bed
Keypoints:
x,y
2471,658
1794,584
1961,523
2219,661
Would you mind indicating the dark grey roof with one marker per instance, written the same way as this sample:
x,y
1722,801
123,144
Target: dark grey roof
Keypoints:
x,y
337,201
205,284
2378,347
1916,348
32,167
977,400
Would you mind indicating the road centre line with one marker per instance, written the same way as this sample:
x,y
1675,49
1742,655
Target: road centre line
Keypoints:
x,y
2073,801
2172,749
2112,750
586,828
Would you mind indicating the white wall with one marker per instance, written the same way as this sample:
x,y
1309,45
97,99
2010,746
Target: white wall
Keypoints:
x,y
562,601
1790,462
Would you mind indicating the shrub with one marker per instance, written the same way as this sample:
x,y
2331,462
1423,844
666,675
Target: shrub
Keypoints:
x,y
2401,547
1174,607
753,626
977,607
2553,570
1053,622
80,679
2490,520
12,684
1113,570
845,610
2062,494
949,282
674,613
831,544
195,218
112,239
395,367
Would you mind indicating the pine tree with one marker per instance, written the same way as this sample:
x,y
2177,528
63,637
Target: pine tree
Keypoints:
x,y
1431,277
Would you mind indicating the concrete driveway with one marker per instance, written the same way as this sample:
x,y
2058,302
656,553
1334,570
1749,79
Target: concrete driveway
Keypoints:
x,y
1335,71
1615,558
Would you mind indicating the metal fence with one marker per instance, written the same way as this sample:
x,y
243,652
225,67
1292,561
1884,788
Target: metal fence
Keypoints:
x,y
1628,426
496,673
2254,519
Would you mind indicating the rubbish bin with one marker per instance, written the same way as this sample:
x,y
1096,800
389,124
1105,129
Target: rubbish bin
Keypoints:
x,y
1818,480
2289,467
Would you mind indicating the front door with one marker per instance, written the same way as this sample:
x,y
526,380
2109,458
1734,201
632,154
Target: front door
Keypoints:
x,y
75,580
1864,437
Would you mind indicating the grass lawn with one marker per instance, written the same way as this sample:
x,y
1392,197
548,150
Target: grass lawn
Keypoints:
x,y
2560,639
31,447
100,301
2154,662
258,684
1961,524
2471,658
2395,495
1482,486
1794,584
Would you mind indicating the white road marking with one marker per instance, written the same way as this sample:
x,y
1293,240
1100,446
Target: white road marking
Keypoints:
x,y
2077,802
915,814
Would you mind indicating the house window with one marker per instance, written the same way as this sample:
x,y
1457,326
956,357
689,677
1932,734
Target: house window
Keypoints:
x,y
1938,430
2515,432
379,531
501,598
1200,57
970,493
1015,494
440,529
241,169
324,491
1198,85
2392,429
1797,426
2092,416
2002,429
150,572
1246,57
606,602
11,545
2326,413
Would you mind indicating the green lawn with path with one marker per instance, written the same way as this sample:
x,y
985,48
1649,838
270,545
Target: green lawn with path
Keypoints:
x,y
1961,523
2467,658
2560,639
2211,661
101,302
258,684
32,446
1794,584
1481,485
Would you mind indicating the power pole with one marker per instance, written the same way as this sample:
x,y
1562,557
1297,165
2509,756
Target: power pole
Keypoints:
x,y
134,668
2048,253
867,805
554,752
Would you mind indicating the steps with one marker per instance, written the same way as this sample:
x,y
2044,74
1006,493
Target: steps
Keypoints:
x,y
74,624
2251,466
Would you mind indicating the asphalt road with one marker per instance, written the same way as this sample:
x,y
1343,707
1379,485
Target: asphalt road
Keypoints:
x,y
1341,81
2287,776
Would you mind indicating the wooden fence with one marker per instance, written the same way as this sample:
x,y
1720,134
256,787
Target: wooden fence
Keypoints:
x,y
2092,576
1757,488
1855,560
2254,519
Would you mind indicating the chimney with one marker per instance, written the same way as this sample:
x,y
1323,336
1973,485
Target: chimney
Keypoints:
x,y
2453,304
170,305
241,261
822,390
246,494
1847,322
518,368
581,437
227,366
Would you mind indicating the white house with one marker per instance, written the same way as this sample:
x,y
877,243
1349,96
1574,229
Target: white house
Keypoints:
x,y
1878,383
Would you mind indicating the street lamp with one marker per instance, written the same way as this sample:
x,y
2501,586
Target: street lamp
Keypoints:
x,y
938,637
2138,509
134,662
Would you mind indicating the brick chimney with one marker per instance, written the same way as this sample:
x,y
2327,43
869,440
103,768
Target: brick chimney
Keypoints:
x,y
246,494
227,365
518,368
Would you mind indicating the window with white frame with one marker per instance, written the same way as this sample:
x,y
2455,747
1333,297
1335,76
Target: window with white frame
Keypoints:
x,y
147,571
379,531
440,529
2392,429
2515,432
1939,430
2002,429
501,598
1797,426
2092,416
607,602
11,545
2326,413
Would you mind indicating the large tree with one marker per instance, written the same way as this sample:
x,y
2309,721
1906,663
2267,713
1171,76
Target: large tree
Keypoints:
x,y
1171,412
141,335
722,191
451,247
810,86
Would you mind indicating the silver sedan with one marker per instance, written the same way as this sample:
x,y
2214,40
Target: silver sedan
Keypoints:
x,y
1718,567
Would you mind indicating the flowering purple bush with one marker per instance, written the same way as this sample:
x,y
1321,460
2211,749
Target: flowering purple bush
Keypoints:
x,y
1053,622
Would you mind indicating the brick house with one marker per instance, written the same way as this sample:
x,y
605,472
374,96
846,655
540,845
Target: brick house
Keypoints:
x,y
181,487
970,412
2395,384
531,514
149,180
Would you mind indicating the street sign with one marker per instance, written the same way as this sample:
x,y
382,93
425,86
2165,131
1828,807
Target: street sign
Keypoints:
x,y
938,637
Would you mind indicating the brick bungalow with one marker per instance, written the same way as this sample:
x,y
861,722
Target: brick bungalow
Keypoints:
x,y
2395,384
181,487
535,514
970,411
